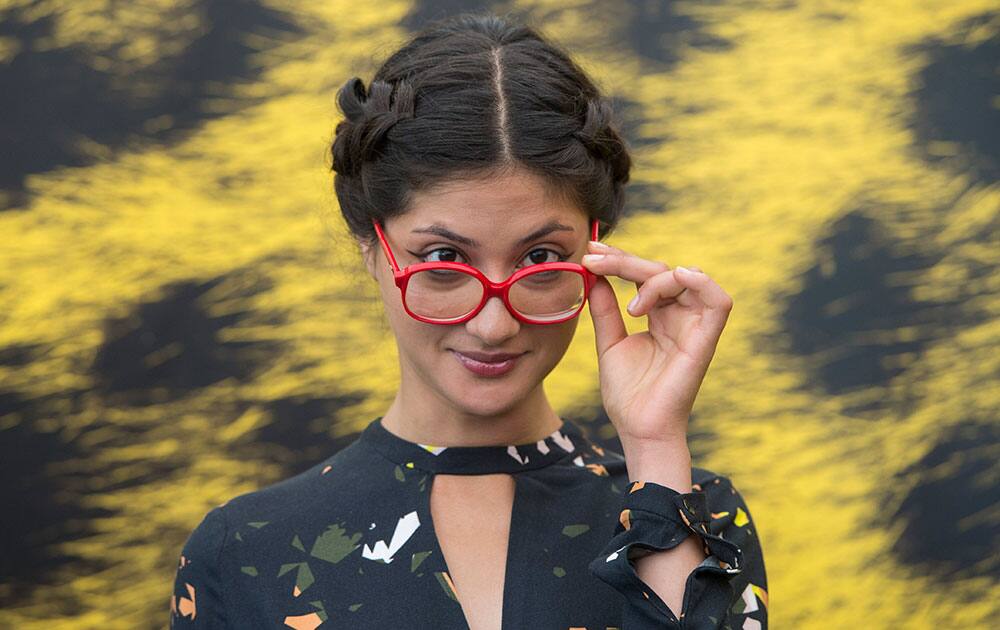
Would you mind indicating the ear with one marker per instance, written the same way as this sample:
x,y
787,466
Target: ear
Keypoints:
x,y
369,253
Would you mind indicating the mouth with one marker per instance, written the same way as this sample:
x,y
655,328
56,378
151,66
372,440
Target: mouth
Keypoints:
x,y
483,364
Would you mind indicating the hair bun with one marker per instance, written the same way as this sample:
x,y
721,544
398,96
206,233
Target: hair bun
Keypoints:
x,y
369,116
600,136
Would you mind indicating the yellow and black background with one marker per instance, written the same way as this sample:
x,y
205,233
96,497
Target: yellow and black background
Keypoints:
x,y
183,317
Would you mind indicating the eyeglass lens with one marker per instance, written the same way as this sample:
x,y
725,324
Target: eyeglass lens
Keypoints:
x,y
445,294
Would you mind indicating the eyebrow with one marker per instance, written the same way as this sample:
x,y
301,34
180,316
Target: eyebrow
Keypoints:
x,y
444,232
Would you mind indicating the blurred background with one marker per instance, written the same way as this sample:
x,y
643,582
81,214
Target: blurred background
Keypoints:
x,y
183,317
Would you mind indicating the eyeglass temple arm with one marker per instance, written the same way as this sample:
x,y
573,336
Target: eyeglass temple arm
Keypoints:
x,y
385,245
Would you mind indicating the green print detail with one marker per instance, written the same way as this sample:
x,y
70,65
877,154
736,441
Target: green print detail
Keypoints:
x,y
399,474
575,530
304,579
444,584
417,558
353,607
298,543
559,571
249,570
333,545
258,524
239,537
318,604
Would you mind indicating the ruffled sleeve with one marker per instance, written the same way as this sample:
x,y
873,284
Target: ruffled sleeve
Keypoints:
x,y
655,517
197,601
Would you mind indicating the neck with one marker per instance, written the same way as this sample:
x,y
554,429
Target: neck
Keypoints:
x,y
425,417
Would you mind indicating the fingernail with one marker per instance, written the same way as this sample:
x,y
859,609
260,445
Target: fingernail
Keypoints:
x,y
599,245
684,270
631,305
592,257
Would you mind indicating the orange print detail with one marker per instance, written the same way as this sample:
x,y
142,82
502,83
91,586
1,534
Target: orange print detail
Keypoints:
x,y
188,607
625,518
638,485
296,591
598,469
304,622
451,585
761,593
597,449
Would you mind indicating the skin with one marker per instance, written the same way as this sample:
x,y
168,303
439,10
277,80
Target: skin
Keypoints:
x,y
649,380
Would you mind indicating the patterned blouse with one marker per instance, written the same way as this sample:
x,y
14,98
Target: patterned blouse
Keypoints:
x,y
350,544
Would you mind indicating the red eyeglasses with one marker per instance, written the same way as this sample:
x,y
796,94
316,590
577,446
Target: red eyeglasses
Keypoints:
x,y
452,293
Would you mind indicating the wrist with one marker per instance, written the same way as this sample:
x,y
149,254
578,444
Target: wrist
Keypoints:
x,y
664,463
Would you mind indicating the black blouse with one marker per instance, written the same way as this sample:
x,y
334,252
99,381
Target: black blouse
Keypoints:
x,y
350,544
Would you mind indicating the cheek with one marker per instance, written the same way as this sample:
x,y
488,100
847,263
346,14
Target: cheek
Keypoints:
x,y
552,341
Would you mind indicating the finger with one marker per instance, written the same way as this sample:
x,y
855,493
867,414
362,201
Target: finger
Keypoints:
x,y
623,265
609,327
660,290
717,302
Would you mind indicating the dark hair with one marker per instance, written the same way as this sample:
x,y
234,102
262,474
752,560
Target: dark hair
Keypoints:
x,y
470,96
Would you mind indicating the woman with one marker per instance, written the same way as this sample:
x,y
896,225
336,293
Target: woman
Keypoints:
x,y
476,173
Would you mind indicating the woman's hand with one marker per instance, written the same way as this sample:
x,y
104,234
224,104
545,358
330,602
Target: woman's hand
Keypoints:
x,y
649,379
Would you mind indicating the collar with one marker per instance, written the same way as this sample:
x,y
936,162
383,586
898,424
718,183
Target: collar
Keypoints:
x,y
565,442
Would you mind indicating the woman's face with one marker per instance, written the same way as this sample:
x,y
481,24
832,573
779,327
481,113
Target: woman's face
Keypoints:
x,y
494,214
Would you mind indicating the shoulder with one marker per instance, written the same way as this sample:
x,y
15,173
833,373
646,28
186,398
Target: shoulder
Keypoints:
x,y
336,479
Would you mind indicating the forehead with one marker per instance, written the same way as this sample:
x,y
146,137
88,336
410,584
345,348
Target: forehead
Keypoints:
x,y
510,203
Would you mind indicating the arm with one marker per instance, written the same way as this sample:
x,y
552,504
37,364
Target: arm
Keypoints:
x,y
197,600
717,578
665,571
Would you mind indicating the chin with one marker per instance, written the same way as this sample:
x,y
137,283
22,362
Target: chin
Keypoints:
x,y
487,396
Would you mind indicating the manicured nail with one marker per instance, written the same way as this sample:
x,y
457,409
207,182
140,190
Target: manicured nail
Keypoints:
x,y
599,245
631,305
592,257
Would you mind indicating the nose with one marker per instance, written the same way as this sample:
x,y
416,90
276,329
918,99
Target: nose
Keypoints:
x,y
494,324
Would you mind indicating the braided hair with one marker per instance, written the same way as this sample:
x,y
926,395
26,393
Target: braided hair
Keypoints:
x,y
471,96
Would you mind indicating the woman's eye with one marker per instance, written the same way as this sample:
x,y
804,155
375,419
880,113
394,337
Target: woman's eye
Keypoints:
x,y
448,255
540,255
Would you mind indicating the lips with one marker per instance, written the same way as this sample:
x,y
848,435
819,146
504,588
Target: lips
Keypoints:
x,y
485,357
487,368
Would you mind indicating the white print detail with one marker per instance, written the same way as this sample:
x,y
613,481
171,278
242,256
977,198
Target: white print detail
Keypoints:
x,y
563,441
433,450
749,599
578,460
614,555
543,448
372,526
404,529
512,451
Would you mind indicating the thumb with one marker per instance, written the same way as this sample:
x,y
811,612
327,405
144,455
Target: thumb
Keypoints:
x,y
609,327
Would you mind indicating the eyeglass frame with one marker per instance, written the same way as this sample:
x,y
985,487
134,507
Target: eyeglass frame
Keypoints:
x,y
401,277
